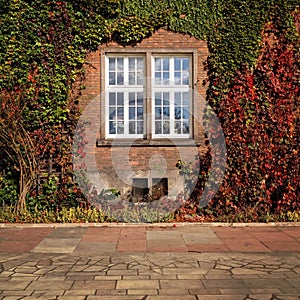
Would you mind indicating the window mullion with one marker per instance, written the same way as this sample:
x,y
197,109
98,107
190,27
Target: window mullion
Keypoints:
x,y
171,70
171,99
136,71
172,115
126,93
148,92
126,112
126,71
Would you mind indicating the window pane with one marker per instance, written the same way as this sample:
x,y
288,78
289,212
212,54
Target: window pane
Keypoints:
x,y
120,113
178,127
120,99
166,76
131,113
185,78
112,113
131,64
120,127
158,127
131,98
136,70
166,127
157,99
140,78
120,78
140,100
185,114
181,71
157,64
166,64
157,113
186,99
166,113
136,112
177,78
140,64
131,127
162,71
112,64
157,78
140,128
112,99
186,127
162,108
177,64
131,78
166,97
177,98
112,78
177,113
112,127
185,64
140,113
120,64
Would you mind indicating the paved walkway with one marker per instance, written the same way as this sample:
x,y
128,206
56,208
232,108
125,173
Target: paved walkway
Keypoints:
x,y
180,261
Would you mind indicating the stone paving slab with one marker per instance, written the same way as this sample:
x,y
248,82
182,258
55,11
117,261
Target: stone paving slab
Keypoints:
x,y
197,262
169,276
149,238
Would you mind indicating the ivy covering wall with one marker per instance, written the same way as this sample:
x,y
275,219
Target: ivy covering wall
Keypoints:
x,y
43,47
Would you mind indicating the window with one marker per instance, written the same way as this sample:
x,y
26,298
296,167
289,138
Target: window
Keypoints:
x,y
159,188
125,97
171,115
164,105
140,188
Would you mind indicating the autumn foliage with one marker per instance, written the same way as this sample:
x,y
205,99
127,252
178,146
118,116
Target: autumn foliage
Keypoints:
x,y
42,76
260,120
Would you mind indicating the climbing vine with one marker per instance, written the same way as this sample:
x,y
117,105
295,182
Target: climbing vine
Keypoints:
x,y
43,49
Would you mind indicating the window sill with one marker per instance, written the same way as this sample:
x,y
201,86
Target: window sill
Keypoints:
x,y
149,143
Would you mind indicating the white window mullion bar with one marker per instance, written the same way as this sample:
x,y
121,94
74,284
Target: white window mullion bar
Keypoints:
x,y
172,114
126,112
171,70
149,72
126,71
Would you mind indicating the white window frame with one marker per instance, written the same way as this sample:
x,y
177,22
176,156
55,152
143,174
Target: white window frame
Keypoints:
x,y
171,88
125,88
148,89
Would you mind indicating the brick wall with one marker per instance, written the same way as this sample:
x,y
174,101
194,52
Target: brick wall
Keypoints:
x,y
117,165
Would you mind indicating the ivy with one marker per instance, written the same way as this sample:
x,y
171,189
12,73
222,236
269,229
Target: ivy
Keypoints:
x,y
260,119
43,49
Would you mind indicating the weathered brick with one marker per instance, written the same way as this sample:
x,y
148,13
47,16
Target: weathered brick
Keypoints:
x,y
140,157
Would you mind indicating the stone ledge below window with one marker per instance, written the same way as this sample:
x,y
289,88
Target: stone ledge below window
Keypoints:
x,y
150,143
